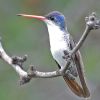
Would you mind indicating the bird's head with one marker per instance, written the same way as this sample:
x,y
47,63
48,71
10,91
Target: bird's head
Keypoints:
x,y
53,18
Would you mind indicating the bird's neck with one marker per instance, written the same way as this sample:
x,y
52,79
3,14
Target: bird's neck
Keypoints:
x,y
57,36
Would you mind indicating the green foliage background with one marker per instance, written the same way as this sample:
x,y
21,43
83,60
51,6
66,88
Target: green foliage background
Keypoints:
x,y
22,36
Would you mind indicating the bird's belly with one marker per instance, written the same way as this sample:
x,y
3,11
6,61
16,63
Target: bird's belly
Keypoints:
x,y
58,53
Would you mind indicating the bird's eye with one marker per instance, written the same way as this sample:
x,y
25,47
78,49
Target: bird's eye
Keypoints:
x,y
52,18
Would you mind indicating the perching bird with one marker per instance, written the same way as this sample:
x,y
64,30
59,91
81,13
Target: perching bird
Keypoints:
x,y
61,43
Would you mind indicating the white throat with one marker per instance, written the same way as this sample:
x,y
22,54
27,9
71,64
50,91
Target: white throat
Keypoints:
x,y
56,35
58,42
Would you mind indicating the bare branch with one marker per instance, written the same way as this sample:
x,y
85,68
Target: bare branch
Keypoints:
x,y
8,59
81,41
26,76
91,23
17,62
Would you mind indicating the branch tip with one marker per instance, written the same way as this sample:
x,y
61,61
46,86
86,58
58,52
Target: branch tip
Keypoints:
x,y
19,60
92,21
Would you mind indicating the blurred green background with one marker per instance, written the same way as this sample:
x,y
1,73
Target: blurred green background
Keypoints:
x,y
22,36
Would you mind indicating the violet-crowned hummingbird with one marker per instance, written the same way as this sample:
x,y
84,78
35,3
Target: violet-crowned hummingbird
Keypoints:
x,y
61,43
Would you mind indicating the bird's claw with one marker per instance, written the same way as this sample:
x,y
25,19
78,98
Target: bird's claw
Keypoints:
x,y
69,75
66,55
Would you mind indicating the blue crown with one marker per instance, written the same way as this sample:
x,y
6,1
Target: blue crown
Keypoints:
x,y
58,18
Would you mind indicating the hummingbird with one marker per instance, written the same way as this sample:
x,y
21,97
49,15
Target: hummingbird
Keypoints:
x,y
61,43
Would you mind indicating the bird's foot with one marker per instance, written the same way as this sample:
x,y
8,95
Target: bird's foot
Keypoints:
x,y
73,71
66,55
69,75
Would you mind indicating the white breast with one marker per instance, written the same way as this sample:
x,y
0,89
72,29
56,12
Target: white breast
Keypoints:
x,y
58,43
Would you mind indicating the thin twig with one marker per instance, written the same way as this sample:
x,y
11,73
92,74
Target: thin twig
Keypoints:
x,y
91,23
81,41
8,60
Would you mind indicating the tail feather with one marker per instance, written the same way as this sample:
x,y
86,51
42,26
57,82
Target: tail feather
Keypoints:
x,y
80,70
74,86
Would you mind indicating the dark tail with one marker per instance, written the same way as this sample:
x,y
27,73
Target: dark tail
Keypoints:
x,y
74,86
81,91
80,70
